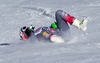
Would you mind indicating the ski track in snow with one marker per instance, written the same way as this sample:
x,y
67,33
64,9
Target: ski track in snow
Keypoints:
x,y
83,47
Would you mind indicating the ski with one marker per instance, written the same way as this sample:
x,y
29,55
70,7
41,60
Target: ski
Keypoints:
x,y
42,11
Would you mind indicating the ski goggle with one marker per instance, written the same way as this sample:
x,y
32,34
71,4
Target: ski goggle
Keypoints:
x,y
54,25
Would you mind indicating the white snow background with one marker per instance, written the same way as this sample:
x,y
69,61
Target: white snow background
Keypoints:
x,y
83,47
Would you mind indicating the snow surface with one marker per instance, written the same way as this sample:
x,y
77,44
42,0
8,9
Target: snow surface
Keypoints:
x,y
83,47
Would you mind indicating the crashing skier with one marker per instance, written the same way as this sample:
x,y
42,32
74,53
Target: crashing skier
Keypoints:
x,y
56,29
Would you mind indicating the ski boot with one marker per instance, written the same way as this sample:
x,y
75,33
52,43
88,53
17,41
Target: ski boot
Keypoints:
x,y
81,24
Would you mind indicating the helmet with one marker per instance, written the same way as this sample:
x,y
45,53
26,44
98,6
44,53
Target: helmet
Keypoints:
x,y
23,29
54,25
31,28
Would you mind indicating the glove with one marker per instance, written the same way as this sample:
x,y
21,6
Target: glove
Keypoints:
x,y
31,28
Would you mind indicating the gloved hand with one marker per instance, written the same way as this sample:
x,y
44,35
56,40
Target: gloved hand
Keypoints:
x,y
31,28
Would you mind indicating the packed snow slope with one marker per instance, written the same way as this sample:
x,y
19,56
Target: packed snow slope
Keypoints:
x,y
83,47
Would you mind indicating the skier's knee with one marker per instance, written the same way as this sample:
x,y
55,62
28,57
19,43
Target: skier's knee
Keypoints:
x,y
60,13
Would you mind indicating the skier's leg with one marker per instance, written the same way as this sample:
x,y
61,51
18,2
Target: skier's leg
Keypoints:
x,y
61,23
81,24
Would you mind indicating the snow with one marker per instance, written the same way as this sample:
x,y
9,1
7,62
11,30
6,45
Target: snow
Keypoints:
x,y
83,47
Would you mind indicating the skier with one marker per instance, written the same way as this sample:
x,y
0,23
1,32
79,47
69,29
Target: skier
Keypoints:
x,y
54,32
